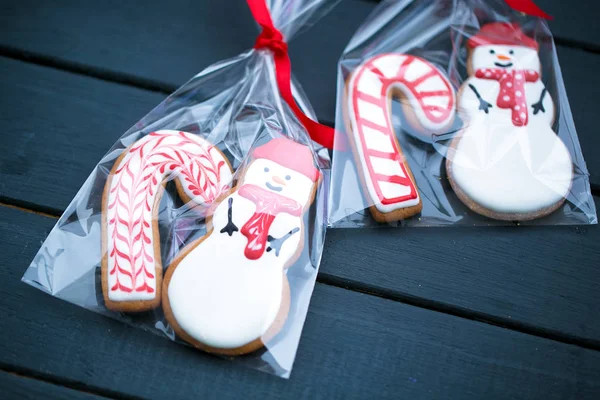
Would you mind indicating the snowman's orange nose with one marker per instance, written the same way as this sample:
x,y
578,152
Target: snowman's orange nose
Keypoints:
x,y
503,57
278,180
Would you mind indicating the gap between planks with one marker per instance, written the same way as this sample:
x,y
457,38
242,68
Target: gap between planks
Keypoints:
x,y
414,301
149,85
152,85
66,383
89,71
102,74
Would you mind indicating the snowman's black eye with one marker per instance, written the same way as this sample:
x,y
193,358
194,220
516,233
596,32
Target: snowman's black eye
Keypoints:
x,y
492,51
266,169
511,52
287,177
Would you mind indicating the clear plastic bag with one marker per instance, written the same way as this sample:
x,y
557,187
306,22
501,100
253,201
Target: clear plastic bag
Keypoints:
x,y
205,222
455,113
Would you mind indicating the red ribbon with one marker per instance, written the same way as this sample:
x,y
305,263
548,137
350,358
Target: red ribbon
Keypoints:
x,y
270,38
527,7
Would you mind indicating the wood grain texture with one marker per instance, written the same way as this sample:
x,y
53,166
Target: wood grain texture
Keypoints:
x,y
543,278
353,346
53,123
19,387
182,33
574,21
171,42
582,82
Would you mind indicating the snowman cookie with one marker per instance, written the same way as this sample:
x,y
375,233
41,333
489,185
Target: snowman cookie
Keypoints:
x,y
428,103
131,263
507,163
228,292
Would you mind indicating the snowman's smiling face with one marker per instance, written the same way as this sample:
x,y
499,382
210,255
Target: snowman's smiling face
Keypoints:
x,y
279,179
506,57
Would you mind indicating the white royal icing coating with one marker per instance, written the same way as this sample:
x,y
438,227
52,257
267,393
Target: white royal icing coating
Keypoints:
x,y
217,295
377,140
371,112
523,58
416,69
203,173
428,93
501,166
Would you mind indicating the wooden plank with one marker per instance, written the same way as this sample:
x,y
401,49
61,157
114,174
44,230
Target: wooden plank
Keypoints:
x,y
535,278
582,83
74,116
542,280
574,22
170,42
353,346
14,386
184,39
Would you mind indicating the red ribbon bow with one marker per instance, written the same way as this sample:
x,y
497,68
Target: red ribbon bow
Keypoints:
x,y
527,7
270,38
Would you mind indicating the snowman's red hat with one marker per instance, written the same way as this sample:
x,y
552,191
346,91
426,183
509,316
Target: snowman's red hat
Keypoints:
x,y
289,154
502,33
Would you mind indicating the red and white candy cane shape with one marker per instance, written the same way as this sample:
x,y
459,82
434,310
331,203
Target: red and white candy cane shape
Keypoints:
x,y
429,101
131,266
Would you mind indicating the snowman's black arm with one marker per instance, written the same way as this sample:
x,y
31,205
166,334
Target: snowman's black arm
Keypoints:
x,y
275,244
539,106
483,105
230,227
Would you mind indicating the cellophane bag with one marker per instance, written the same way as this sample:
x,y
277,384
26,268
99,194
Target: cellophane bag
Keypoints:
x,y
455,113
205,222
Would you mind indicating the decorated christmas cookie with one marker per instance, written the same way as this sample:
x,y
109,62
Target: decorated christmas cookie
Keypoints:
x,y
428,104
227,292
131,265
507,163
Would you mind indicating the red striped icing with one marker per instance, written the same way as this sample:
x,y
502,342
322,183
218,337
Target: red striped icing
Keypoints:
x,y
134,186
433,113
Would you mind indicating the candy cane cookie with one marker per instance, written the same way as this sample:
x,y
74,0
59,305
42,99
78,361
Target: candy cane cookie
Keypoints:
x,y
428,102
131,263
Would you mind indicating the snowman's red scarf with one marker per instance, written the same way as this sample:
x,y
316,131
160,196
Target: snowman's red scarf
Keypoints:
x,y
512,90
268,205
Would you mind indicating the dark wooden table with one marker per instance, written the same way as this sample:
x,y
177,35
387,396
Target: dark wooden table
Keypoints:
x,y
403,314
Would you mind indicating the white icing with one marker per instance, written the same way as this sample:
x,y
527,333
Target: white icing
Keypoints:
x,y
392,190
426,123
388,64
370,83
468,104
510,169
387,167
128,193
522,57
298,187
441,101
503,167
434,83
377,140
371,112
416,69
219,296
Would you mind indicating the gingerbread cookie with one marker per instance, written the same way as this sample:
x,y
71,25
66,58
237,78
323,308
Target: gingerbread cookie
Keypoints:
x,y
131,262
228,292
428,102
507,163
